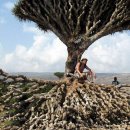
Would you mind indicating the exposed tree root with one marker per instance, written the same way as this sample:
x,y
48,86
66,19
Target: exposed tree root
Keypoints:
x,y
64,106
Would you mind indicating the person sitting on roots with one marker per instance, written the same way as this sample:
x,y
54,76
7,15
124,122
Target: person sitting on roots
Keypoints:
x,y
80,68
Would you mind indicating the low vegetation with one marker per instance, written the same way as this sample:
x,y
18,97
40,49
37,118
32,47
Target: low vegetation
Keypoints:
x,y
60,75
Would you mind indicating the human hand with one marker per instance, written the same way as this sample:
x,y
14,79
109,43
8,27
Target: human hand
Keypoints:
x,y
81,75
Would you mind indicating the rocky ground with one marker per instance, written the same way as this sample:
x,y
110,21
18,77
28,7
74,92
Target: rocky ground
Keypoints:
x,y
29,104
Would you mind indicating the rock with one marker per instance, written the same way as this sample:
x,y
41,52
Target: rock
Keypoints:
x,y
65,106
2,77
9,80
19,79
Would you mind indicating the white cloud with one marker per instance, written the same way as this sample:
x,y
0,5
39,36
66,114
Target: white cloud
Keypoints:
x,y
9,5
110,54
31,29
48,53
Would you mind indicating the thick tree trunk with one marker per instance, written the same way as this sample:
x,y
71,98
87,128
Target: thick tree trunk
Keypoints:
x,y
74,55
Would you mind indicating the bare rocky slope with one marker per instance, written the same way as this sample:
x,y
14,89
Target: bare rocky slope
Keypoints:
x,y
29,104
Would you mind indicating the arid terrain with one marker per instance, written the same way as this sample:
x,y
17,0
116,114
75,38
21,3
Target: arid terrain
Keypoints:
x,y
102,78
31,104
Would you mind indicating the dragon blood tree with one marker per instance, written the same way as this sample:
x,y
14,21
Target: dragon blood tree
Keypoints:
x,y
77,23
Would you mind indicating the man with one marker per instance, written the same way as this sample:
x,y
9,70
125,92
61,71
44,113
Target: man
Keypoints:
x,y
115,82
80,68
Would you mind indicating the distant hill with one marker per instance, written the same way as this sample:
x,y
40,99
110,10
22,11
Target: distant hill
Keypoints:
x,y
38,75
102,78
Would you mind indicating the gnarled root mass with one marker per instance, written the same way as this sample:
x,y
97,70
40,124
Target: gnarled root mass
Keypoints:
x,y
42,105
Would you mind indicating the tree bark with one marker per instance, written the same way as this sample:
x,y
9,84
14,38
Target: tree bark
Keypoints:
x,y
74,56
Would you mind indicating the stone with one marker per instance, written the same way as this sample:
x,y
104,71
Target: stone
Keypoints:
x,y
66,106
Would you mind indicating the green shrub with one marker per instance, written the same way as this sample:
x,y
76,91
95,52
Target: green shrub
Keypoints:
x,y
59,74
3,88
47,88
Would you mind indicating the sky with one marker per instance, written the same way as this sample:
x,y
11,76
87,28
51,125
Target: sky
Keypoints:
x,y
24,48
